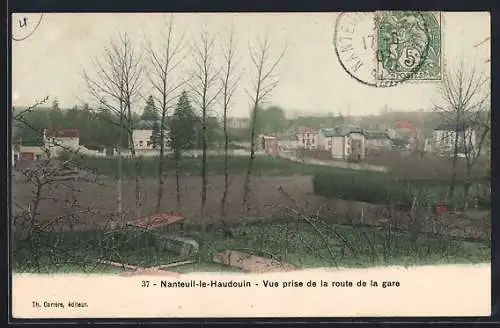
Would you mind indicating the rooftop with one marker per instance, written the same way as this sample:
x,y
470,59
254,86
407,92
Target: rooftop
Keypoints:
x,y
376,135
147,124
341,131
61,133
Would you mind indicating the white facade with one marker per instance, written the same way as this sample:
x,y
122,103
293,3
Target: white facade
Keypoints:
x,y
56,145
142,139
337,146
308,139
444,139
238,122
342,147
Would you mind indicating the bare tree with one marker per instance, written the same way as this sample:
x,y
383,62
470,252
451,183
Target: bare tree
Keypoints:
x,y
163,63
464,92
116,86
229,83
475,138
262,85
205,92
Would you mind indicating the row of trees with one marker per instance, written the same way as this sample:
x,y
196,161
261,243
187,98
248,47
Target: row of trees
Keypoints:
x,y
182,98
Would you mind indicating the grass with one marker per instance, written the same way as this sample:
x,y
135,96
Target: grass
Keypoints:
x,y
292,241
263,165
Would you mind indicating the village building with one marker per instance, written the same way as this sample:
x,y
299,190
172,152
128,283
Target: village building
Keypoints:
x,y
377,140
308,138
404,128
238,122
143,135
345,142
268,144
443,137
57,141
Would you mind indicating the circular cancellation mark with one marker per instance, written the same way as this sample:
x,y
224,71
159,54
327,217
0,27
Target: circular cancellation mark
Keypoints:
x,y
383,49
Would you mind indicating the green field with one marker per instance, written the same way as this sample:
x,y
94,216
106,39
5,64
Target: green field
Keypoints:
x,y
263,165
291,240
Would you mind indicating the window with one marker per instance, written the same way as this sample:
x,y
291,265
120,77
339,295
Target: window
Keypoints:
x,y
140,143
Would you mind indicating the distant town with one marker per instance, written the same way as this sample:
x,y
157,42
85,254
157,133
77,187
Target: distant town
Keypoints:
x,y
334,137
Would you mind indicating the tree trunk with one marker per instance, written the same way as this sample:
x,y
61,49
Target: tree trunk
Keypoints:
x,y
119,181
178,178
451,191
161,180
226,173
467,186
250,162
203,172
137,166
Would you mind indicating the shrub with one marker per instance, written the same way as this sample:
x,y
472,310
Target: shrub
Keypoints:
x,y
382,188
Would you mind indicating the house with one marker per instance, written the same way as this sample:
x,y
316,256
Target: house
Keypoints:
x,y
58,140
143,135
404,129
400,143
307,137
30,153
268,144
443,137
345,142
377,140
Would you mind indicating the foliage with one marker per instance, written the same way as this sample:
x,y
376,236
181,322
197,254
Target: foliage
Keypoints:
x,y
182,125
150,113
155,138
270,120
95,127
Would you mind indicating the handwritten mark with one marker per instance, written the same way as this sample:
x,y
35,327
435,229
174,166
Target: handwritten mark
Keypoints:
x,y
23,23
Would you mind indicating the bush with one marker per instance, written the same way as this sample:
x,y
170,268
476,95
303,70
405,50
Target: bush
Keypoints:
x,y
370,187
383,188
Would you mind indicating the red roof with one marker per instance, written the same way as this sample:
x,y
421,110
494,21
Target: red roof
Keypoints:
x,y
157,220
404,125
62,133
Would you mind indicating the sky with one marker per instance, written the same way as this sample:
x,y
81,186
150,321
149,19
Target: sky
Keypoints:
x,y
49,62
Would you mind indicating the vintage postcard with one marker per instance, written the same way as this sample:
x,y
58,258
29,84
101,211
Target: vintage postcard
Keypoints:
x,y
250,165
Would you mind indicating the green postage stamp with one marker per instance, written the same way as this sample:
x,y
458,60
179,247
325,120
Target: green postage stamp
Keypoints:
x,y
409,46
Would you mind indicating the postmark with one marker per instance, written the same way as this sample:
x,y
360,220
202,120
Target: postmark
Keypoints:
x,y
384,49
355,45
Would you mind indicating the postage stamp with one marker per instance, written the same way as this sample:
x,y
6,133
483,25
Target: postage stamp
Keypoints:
x,y
409,46
386,48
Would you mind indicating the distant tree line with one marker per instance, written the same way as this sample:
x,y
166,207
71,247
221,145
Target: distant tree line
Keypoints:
x,y
101,128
